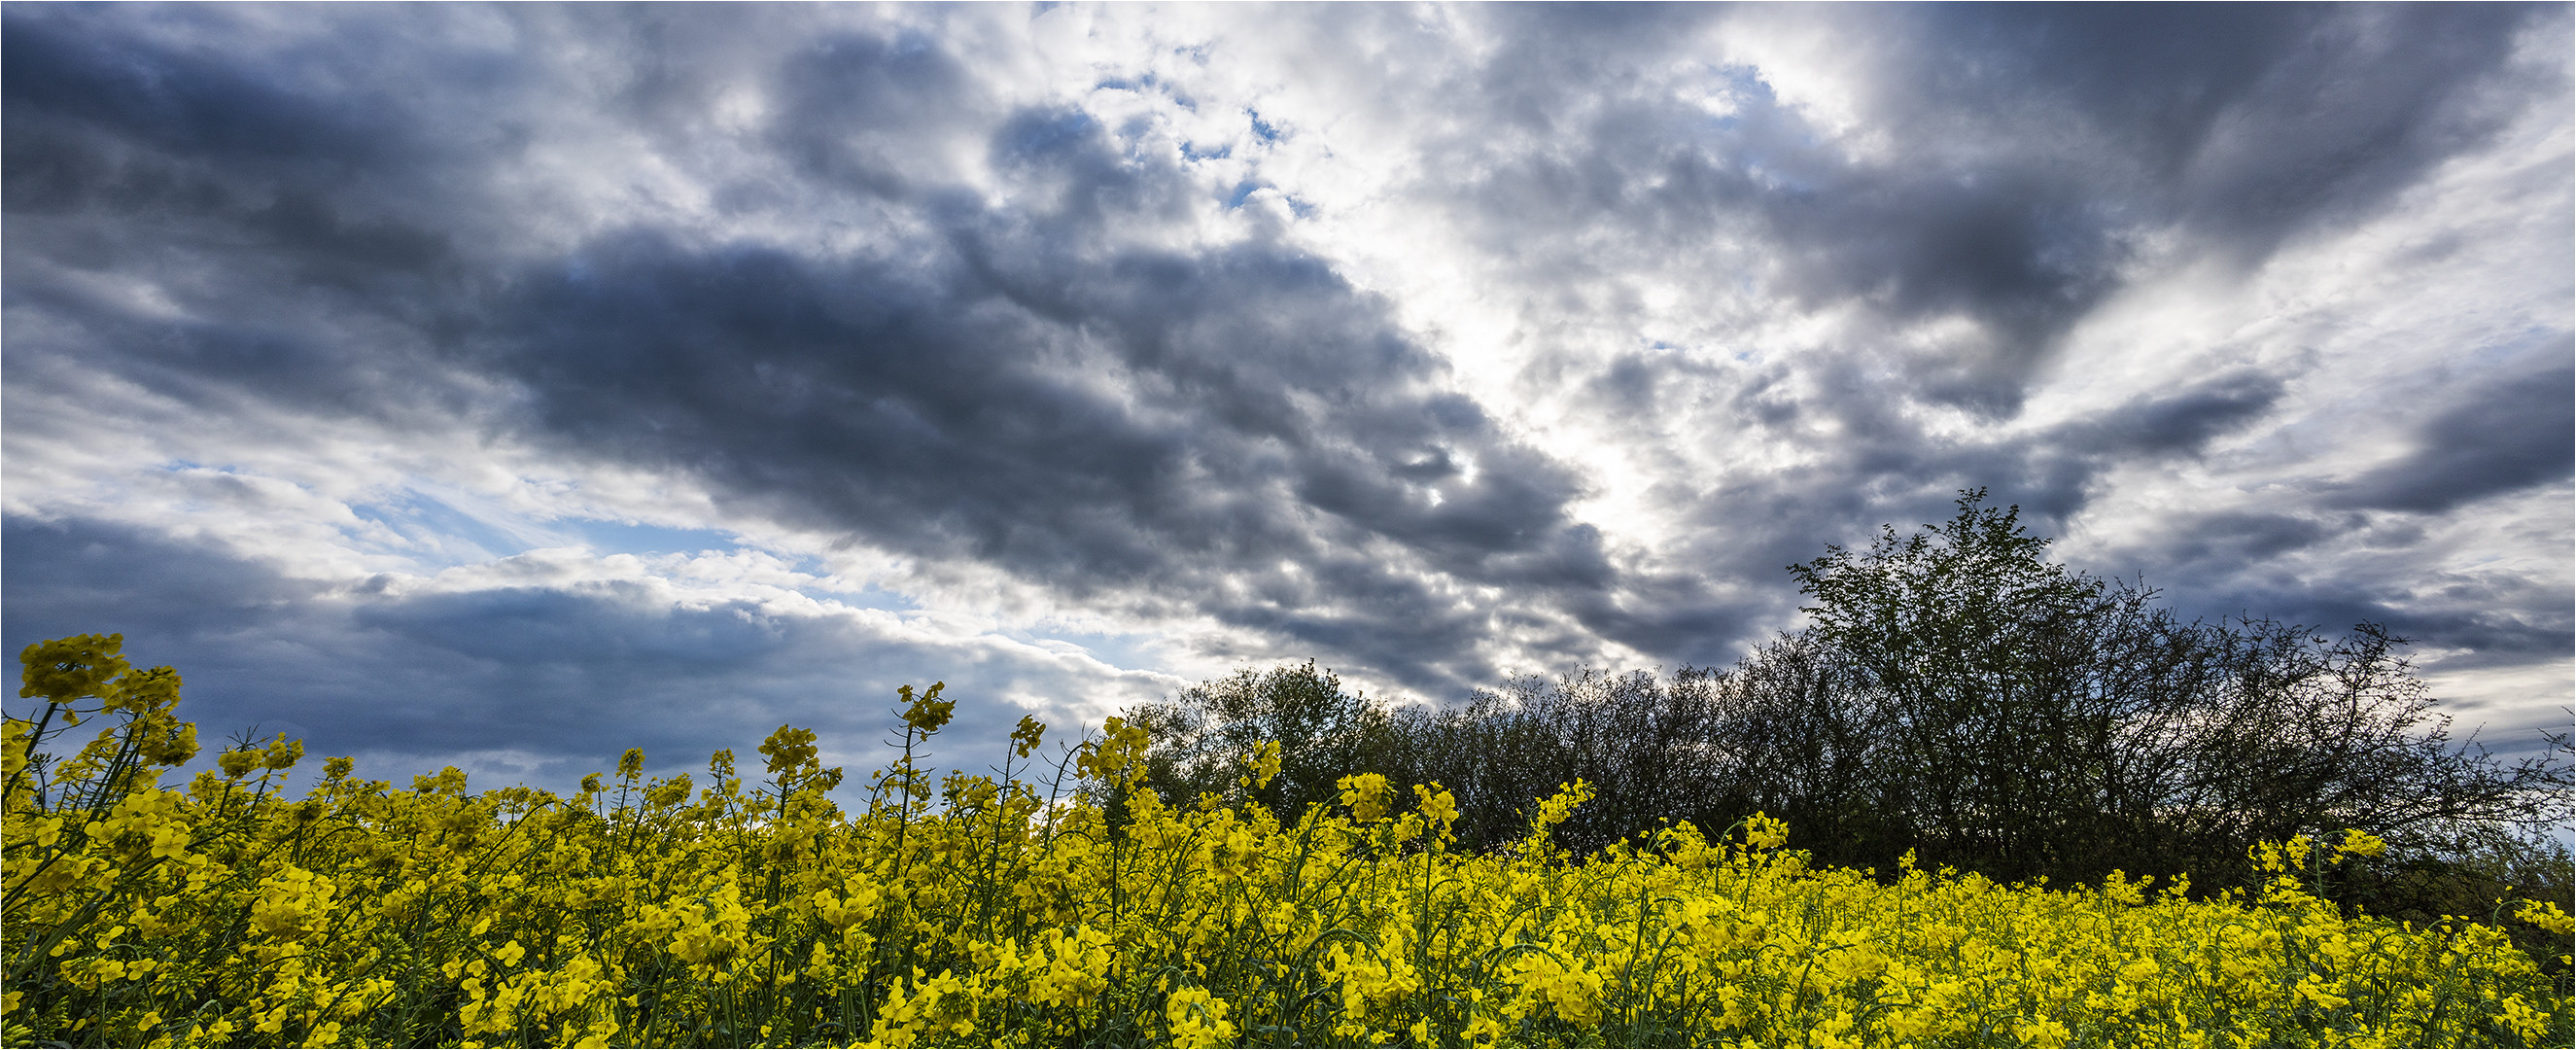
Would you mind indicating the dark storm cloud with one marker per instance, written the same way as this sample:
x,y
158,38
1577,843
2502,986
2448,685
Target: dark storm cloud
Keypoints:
x,y
2047,472
70,578
2231,564
2503,434
2025,149
1888,468
567,676
2179,423
918,308
1005,385
856,104
2222,542
2490,621
2499,434
2019,153
67,82
2252,121
959,412
261,648
2507,434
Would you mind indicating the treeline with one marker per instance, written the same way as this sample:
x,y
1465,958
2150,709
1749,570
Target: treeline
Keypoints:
x,y
1956,696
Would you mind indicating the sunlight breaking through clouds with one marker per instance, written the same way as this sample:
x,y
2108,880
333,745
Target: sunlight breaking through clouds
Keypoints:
x,y
459,380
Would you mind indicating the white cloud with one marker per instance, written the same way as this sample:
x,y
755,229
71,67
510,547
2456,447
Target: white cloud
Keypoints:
x,y
1098,349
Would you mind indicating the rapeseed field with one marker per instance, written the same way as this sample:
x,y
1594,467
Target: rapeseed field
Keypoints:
x,y
752,910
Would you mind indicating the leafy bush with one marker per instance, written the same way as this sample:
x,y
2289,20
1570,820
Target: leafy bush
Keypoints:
x,y
1956,696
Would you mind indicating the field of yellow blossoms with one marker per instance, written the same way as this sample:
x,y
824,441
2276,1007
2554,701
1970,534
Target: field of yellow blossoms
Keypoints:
x,y
747,909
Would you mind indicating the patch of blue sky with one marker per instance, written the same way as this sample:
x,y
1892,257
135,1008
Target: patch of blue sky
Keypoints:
x,y
1745,81
1262,129
1242,192
913,41
1039,136
616,537
447,534
1190,151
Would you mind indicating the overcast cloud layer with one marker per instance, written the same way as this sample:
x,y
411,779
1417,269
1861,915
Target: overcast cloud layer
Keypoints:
x,y
507,386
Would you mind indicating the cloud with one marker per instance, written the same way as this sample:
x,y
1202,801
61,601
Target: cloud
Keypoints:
x,y
1437,343
548,667
2506,434
1147,421
2008,171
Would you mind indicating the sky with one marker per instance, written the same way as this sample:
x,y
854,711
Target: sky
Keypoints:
x,y
508,386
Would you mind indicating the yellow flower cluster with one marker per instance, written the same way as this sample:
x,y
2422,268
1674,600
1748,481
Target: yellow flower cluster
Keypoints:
x,y
977,911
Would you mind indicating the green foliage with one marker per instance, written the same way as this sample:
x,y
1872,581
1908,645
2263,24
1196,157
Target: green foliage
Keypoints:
x,y
1956,695
1958,624
2003,713
1322,732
